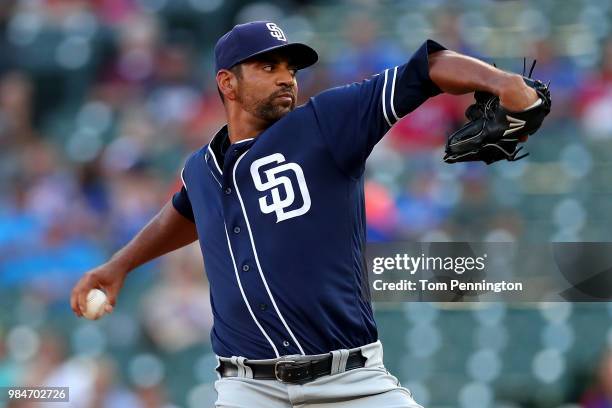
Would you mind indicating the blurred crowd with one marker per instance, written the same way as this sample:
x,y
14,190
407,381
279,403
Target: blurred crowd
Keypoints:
x,y
102,100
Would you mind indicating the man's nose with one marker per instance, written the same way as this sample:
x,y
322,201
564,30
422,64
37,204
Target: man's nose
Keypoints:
x,y
285,78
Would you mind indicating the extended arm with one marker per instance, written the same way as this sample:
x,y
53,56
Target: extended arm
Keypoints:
x,y
456,74
167,231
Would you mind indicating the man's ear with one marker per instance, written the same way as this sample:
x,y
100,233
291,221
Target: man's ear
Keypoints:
x,y
227,82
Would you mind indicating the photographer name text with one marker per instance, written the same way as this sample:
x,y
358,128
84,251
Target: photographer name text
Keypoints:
x,y
437,264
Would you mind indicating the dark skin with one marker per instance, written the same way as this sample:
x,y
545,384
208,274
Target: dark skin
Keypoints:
x,y
167,231
264,91
260,93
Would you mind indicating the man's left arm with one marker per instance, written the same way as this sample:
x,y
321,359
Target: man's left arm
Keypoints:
x,y
353,118
508,108
457,74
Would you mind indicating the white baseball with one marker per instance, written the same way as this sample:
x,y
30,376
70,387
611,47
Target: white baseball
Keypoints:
x,y
96,300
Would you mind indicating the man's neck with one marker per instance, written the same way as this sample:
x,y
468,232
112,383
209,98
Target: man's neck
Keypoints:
x,y
243,125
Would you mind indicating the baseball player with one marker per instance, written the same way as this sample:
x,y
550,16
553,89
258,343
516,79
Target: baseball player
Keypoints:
x,y
276,200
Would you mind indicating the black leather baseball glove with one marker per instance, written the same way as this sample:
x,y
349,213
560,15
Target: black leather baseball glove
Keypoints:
x,y
493,132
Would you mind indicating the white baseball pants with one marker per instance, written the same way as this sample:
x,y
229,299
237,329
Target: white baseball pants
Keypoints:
x,y
369,387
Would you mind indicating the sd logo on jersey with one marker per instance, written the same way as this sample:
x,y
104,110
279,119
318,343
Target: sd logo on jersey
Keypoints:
x,y
272,183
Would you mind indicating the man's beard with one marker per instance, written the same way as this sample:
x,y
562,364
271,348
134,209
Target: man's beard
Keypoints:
x,y
268,109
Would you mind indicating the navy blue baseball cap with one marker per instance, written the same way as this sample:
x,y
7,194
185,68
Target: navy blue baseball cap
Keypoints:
x,y
245,41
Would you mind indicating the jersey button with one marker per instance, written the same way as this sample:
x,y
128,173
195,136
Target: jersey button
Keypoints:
x,y
286,343
236,230
228,190
263,306
246,268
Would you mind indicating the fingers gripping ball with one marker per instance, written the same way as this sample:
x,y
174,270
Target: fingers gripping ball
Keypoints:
x,y
96,303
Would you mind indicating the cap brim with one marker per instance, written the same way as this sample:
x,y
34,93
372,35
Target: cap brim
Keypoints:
x,y
301,55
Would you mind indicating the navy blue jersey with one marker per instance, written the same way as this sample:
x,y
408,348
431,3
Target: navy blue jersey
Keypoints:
x,y
281,218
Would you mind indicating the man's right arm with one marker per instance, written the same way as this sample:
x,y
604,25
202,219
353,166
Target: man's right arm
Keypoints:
x,y
167,231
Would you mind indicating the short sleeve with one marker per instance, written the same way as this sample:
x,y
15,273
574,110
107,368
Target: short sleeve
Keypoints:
x,y
182,204
353,118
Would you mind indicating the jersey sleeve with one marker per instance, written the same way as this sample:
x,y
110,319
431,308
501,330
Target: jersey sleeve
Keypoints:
x,y
182,204
353,118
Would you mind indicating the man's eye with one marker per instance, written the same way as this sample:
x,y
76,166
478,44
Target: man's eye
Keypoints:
x,y
293,72
267,68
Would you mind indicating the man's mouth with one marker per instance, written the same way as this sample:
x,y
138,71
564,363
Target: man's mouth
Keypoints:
x,y
286,96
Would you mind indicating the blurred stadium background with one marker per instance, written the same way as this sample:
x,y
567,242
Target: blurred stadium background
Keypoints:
x,y
101,101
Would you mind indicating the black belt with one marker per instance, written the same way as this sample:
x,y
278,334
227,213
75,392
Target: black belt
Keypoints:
x,y
299,371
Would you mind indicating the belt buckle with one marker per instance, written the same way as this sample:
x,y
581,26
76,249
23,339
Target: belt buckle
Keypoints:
x,y
276,368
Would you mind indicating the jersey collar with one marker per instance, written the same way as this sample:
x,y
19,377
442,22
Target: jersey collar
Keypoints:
x,y
217,148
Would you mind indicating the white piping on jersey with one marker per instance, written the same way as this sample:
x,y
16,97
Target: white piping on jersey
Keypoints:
x,y
210,151
383,99
244,296
215,177
393,93
244,140
246,218
183,179
214,158
211,172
